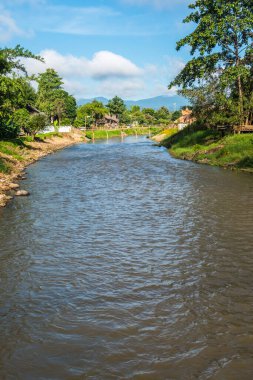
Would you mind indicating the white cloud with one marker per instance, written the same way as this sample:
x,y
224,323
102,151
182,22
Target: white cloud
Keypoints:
x,y
126,88
103,65
8,27
77,88
106,64
107,74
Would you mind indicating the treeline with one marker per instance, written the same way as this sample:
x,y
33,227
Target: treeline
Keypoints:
x,y
24,108
93,113
218,80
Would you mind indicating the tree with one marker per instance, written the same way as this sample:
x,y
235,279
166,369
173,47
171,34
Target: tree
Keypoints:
x,y
149,115
89,113
53,99
219,45
116,107
70,109
58,108
49,89
21,119
175,115
163,115
15,89
10,59
37,122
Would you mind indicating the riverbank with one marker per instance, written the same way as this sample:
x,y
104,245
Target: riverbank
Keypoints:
x,y
109,133
209,147
16,154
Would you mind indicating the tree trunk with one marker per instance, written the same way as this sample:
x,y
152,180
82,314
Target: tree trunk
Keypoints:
x,y
239,83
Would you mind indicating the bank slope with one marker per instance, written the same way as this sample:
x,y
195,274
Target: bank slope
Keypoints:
x,y
208,147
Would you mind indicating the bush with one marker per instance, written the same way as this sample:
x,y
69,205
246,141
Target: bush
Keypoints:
x,y
8,129
36,123
21,119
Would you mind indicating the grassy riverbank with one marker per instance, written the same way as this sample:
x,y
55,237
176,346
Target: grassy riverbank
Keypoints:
x,y
109,133
208,147
16,154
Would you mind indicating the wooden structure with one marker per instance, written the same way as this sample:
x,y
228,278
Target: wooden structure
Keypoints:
x,y
243,128
108,121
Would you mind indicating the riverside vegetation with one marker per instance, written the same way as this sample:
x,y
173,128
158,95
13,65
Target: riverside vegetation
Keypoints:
x,y
109,133
207,146
218,82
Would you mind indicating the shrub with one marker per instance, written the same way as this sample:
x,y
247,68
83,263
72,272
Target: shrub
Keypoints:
x,y
36,123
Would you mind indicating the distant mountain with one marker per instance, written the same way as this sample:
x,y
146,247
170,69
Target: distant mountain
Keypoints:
x,y
171,102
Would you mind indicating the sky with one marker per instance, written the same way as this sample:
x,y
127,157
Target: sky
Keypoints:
x,y
101,47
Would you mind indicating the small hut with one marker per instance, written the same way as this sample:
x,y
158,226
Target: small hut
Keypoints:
x,y
108,121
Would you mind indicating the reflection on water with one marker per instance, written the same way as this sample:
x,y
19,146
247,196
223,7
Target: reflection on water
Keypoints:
x,y
127,264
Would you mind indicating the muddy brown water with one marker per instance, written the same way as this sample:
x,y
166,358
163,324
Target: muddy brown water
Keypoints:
x,y
125,263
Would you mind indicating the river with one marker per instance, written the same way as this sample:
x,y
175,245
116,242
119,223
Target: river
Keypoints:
x,y
125,263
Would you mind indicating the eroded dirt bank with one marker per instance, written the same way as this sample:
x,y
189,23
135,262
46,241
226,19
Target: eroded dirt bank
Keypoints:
x,y
14,158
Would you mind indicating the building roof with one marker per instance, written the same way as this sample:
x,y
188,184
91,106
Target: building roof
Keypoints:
x,y
111,118
186,117
32,109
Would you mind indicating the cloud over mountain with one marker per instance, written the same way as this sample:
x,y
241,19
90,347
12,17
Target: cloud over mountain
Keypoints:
x,y
103,65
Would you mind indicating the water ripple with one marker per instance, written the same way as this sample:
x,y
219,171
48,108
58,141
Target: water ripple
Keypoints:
x,y
127,264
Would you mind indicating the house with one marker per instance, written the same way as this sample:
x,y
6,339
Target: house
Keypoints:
x,y
185,119
109,121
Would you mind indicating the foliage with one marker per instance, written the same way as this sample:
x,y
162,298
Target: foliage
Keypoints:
x,y
49,89
36,123
175,115
53,100
221,46
21,119
90,113
15,88
10,59
116,107
209,147
103,134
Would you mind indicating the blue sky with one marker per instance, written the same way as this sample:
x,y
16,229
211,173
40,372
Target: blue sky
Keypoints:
x,y
101,48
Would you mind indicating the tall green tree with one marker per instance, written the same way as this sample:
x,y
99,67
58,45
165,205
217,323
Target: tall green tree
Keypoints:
x,y
163,115
70,108
49,89
90,113
53,99
15,89
219,45
116,107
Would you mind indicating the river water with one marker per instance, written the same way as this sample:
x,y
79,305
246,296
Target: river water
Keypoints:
x,y
125,263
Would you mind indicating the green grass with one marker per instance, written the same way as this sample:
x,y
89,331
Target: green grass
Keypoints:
x,y
102,134
12,148
207,146
165,133
44,136
5,167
